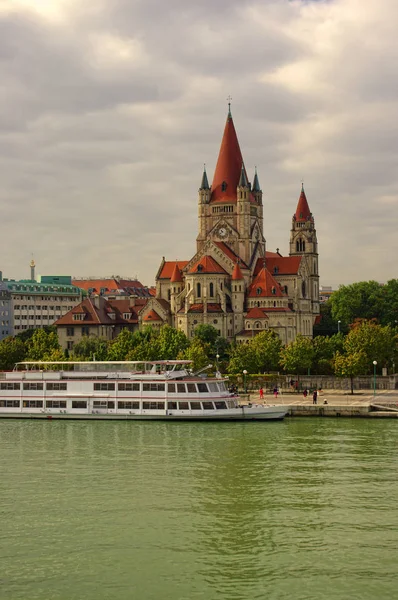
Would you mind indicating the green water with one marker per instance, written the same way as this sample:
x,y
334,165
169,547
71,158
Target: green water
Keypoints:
x,y
304,509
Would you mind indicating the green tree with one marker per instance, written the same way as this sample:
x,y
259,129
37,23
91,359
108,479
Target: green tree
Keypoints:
x,y
122,345
362,300
350,365
242,357
12,350
267,348
170,342
206,334
390,303
297,356
198,352
91,348
325,349
327,325
41,345
374,341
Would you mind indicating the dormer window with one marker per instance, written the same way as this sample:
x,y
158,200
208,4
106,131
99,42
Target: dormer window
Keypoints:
x,y
78,317
276,270
200,268
273,291
224,186
258,291
126,316
112,315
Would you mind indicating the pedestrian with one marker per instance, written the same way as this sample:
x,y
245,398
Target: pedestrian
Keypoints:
x,y
305,393
315,397
275,392
261,393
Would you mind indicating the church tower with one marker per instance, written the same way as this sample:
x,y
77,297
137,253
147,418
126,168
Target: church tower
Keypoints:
x,y
303,242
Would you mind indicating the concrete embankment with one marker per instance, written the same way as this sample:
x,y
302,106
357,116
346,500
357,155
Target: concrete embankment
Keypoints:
x,y
365,410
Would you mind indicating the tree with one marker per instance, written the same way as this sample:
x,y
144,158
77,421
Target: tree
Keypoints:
x,y
12,350
267,347
390,303
327,325
350,365
91,348
362,300
198,352
170,342
243,357
374,341
41,345
206,334
297,356
324,350
122,345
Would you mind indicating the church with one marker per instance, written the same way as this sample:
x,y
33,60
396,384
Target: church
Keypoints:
x,y
232,282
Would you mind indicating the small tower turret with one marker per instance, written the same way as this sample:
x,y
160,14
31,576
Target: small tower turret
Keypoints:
x,y
32,270
203,207
238,297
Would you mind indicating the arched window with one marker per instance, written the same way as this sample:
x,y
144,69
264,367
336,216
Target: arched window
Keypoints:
x,y
274,303
258,325
303,248
211,290
297,246
303,289
258,303
273,291
198,290
286,289
258,291
169,294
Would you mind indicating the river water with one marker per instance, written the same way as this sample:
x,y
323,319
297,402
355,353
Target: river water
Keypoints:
x,y
303,509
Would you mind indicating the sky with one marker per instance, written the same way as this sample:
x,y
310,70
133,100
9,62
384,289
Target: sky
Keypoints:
x,y
109,108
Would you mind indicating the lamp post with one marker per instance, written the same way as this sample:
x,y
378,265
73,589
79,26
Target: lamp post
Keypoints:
x,y
374,377
244,380
217,357
338,326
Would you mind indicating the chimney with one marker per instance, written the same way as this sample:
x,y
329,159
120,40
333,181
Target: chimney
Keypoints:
x,y
132,299
96,300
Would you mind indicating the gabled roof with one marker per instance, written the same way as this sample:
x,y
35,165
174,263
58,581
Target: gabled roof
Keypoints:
x,y
168,268
113,286
284,265
256,313
99,315
230,253
264,285
152,316
303,212
211,307
207,264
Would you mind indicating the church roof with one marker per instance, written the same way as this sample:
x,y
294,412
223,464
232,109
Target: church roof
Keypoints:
x,y
230,253
204,184
176,275
168,268
207,264
152,316
229,167
256,184
211,307
237,273
303,212
279,265
264,285
256,313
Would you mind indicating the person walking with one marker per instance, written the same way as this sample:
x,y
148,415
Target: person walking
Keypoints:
x,y
261,393
315,397
305,393
275,392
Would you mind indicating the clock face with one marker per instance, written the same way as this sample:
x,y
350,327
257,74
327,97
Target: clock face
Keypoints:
x,y
222,232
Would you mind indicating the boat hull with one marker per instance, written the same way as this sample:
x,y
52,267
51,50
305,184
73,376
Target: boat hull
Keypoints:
x,y
245,413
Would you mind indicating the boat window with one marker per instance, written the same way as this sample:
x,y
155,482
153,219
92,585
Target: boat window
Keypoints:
x,y
172,405
32,386
208,405
55,403
153,405
9,403
181,388
33,403
56,386
79,404
202,387
102,387
183,405
191,388
103,404
10,386
128,405
153,387
196,406
171,388
219,405
213,387
128,387
222,387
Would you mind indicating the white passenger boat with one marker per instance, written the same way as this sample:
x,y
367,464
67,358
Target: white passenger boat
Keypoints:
x,y
159,390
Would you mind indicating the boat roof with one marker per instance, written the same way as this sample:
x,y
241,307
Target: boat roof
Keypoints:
x,y
104,362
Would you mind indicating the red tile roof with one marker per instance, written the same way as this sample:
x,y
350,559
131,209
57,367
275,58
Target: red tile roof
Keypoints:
x,y
279,265
237,273
207,264
152,316
95,315
256,313
211,307
168,268
229,166
264,285
303,212
230,253
176,275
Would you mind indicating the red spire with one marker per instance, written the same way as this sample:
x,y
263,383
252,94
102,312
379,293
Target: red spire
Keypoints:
x,y
229,166
303,212
176,275
237,273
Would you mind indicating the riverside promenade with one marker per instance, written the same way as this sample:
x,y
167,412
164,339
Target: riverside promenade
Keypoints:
x,y
336,403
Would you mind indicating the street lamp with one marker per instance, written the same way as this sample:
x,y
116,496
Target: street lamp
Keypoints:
x,y
338,326
217,357
244,380
374,377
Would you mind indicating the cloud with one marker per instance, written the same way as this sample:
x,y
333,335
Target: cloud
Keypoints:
x,y
108,111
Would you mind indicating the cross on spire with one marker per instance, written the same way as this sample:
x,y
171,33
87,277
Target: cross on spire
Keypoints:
x,y
229,105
